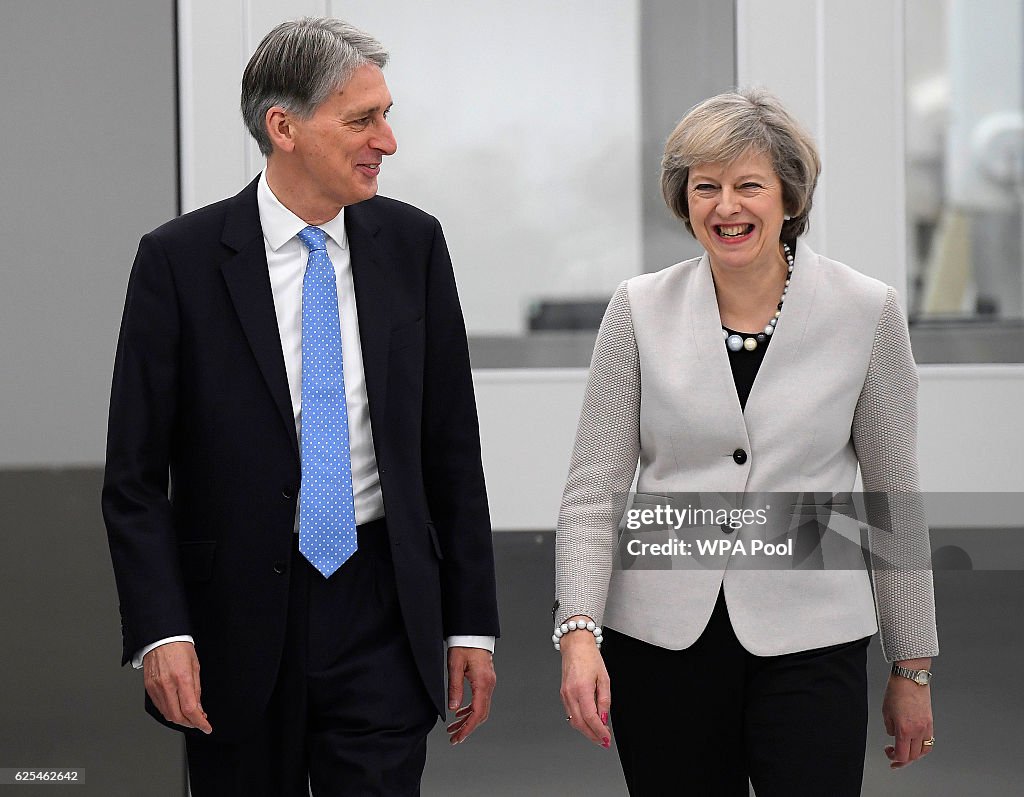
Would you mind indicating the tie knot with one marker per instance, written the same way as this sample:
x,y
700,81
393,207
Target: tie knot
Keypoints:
x,y
314,238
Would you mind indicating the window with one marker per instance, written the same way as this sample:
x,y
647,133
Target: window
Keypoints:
x,y
965,178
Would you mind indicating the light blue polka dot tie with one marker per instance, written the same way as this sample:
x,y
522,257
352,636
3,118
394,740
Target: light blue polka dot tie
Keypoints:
x,y
327,520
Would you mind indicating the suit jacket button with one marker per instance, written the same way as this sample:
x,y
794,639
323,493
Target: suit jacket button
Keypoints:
x,y
726,528
280,568
288,493
740,456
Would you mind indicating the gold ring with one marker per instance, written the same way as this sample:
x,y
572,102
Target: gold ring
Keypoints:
x,y
929,742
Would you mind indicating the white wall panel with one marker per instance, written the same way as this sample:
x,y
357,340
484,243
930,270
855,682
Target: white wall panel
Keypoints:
x,y
861,73
213,138
777,47
838,67
528,424
971,435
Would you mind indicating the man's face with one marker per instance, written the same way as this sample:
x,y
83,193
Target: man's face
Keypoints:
x,y
341,146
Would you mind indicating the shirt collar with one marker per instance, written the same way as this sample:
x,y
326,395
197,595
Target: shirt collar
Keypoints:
x,y
280,225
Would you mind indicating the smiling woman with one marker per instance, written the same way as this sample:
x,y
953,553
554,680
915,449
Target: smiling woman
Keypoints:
x,y
773,652
740,172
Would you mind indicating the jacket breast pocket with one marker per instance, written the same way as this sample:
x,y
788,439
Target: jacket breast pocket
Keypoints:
x,y
196,559
406,335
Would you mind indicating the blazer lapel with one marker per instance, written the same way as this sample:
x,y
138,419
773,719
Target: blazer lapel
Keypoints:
x,y
372,272
707,335
785,343
789,333
248,282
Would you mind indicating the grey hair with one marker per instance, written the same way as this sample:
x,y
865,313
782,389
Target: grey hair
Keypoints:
x,y
726,127
297,66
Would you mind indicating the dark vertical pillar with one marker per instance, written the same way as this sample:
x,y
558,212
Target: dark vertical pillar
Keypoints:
x,y
688,53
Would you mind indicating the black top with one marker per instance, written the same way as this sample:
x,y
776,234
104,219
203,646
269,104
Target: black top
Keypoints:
x,y
745,364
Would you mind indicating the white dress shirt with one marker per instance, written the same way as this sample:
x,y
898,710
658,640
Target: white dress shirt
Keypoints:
x,y
286,262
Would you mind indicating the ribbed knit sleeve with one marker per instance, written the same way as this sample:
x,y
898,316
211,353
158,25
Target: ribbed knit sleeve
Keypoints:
x,y
601,472
885,439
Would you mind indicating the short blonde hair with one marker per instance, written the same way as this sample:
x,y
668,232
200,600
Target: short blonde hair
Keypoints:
x,y
727,126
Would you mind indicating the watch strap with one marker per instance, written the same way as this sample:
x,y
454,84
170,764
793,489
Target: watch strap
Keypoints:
x,y
922,677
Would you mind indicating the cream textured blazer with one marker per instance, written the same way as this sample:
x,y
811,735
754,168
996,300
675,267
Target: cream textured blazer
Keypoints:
x,y
837,388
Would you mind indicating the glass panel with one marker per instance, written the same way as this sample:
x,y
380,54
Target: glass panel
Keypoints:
x,y
534,132
965,178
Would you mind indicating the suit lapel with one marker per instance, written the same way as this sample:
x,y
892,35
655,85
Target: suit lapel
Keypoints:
x,y
248,282
372,272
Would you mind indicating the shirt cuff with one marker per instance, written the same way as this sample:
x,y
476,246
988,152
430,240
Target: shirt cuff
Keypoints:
x,y
140,654
485,642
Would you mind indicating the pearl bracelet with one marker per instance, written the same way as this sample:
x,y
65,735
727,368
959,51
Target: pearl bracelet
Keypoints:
x,y
573,625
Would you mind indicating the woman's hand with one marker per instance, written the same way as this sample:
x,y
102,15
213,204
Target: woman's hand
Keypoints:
x,y
586,688
907,711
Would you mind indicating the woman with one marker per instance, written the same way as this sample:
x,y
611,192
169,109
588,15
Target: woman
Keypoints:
x,y
758,367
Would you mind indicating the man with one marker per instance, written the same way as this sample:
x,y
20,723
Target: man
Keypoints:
x,y
294,359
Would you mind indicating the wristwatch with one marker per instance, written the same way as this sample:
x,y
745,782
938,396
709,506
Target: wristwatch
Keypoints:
x,y
922,677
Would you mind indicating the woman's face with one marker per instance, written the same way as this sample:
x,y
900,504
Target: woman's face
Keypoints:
x,y
736,211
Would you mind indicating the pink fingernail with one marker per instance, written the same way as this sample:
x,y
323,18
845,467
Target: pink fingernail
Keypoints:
x,y
604,718
607,743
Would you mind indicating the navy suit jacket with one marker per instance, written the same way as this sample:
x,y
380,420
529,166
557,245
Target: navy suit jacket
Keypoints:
x,y
202,470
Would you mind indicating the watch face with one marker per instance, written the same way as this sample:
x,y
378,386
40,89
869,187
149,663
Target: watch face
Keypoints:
x,y
921,677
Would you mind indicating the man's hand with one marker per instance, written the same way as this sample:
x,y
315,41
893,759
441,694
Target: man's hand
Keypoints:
x,y
171,675
476,666
907,712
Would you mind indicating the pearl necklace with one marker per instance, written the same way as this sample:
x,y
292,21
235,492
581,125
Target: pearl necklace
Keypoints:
x,y
736,342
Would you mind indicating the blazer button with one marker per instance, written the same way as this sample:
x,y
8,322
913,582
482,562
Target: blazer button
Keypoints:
x,y
288,493
740,456
280,568
726,528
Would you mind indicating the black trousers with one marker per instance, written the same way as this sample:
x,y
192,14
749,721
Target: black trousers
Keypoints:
x,y
349,714
705,720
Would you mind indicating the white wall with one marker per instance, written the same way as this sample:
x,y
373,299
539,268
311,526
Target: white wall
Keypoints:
x,y
969,442
528,423
971,434
838,66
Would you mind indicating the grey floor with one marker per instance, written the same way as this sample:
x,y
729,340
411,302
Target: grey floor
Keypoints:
x,y
65,702
526,748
